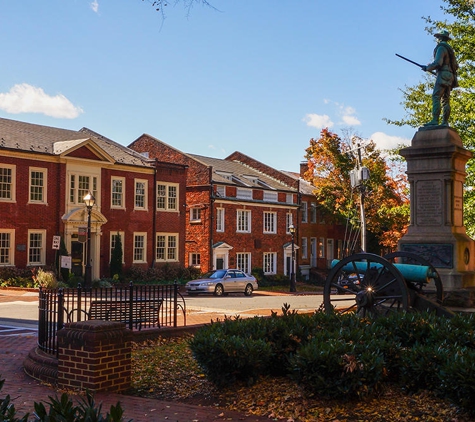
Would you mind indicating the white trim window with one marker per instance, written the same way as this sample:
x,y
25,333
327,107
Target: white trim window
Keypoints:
x,y
7,251
195,259
167,196
270,222
269,262
167,247
221,191
80,185
140,243
243,193
243,260
270,196
38,183
117,192
288,222
113,238
195,215
304,246
7,183
36,247
140,194
243,221
304,212
313,212
220,219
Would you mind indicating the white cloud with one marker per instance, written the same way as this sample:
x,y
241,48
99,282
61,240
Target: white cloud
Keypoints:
x,y
95,6
25,98
351,120
384,141
319,121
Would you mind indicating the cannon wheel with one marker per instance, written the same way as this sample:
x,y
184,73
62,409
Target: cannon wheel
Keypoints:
x,y
379,289
403,257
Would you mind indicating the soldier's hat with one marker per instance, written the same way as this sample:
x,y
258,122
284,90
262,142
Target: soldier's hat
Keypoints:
x,y
443,34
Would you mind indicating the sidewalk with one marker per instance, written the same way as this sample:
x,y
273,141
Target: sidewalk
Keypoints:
x,y
24,391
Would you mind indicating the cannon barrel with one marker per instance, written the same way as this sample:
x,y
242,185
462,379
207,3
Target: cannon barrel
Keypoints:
x,y
414,273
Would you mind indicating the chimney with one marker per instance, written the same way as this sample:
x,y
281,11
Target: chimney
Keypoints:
x,y
303,168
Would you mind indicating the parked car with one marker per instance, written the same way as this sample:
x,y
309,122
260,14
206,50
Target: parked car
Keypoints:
x,y
222,282
350,283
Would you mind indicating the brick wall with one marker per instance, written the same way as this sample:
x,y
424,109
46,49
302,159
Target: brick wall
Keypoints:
x,y
94,355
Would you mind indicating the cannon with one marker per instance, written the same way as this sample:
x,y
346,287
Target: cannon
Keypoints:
x,y
372,285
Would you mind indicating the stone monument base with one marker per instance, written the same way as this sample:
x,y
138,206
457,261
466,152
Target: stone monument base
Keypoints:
x,y
436,163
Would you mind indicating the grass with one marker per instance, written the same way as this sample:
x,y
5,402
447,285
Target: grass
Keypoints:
x,y
165,369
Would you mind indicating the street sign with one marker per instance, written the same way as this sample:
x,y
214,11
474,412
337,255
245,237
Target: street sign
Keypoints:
x,y
56,242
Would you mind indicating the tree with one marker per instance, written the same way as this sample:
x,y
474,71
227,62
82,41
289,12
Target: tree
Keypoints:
x,y
330,161
417,99
116,258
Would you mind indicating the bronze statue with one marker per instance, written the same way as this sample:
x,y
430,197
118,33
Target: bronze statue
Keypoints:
x,y
445,65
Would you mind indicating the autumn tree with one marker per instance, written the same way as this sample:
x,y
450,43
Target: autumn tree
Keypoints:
x,y
330,162
417,101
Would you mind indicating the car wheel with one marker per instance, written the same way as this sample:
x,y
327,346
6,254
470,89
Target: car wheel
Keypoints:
x,y
248,290
218,290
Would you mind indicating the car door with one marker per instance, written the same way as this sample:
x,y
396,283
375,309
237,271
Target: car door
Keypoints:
x,y
230,282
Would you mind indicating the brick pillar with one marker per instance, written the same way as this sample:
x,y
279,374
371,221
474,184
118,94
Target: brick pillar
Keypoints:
x,y
94,355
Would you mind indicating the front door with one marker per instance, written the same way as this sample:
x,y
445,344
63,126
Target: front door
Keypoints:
x,y
77,255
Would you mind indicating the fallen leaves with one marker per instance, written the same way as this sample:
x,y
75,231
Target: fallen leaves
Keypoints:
x,y
165,369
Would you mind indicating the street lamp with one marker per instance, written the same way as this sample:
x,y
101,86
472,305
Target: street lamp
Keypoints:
x,y
293,287
89,200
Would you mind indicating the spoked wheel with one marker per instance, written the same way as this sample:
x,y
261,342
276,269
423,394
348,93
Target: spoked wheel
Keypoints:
x,y
219,290
366,284
401,257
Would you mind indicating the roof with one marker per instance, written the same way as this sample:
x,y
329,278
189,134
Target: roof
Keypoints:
x,y
235,173
306,187
16,135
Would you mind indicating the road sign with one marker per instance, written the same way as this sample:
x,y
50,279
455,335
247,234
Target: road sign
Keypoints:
x,y
56,242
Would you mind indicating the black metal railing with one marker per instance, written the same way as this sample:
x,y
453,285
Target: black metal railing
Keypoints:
x,y
139,307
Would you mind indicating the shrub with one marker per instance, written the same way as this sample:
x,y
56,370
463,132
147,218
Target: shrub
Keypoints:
x,y
45,279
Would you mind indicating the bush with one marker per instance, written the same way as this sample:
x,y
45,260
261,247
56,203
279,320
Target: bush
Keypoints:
x,y
45,279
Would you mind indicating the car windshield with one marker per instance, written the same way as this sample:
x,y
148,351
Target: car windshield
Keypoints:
x,y
215,274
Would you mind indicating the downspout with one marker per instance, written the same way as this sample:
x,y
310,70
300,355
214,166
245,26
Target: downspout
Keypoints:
x,y
211,217
154,214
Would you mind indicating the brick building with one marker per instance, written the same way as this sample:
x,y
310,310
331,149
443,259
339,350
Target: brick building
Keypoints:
x,y
237,216
45,173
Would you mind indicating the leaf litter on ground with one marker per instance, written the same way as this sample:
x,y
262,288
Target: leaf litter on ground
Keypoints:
x,y
166,370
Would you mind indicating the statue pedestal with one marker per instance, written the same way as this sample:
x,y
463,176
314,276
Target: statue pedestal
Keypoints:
x,y
436,163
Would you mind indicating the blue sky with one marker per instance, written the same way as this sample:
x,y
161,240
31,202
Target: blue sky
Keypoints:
x,y
257,76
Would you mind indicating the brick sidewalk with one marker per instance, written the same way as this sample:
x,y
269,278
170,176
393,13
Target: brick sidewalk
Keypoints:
x,y
24,391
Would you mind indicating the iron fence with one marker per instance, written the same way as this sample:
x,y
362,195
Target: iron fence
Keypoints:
x,y
138,306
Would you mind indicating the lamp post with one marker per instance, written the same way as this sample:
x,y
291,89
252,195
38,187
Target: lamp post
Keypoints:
x,y
293,287
89,200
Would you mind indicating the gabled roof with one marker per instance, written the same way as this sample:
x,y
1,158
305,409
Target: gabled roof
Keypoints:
x,y
21,136
235,173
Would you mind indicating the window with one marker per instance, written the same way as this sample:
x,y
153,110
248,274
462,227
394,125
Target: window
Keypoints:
x,y
117,194
140,194
195,260
221,191
288,222
36,247
140,241
195,215
6,247
220,219
330,249
113,242
289,198
321,247
270,259
304,212
80,186
37,185
167,197
243,221
7,183
270,222
270,196
243,193
243,260
304,247
167,247
313,212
